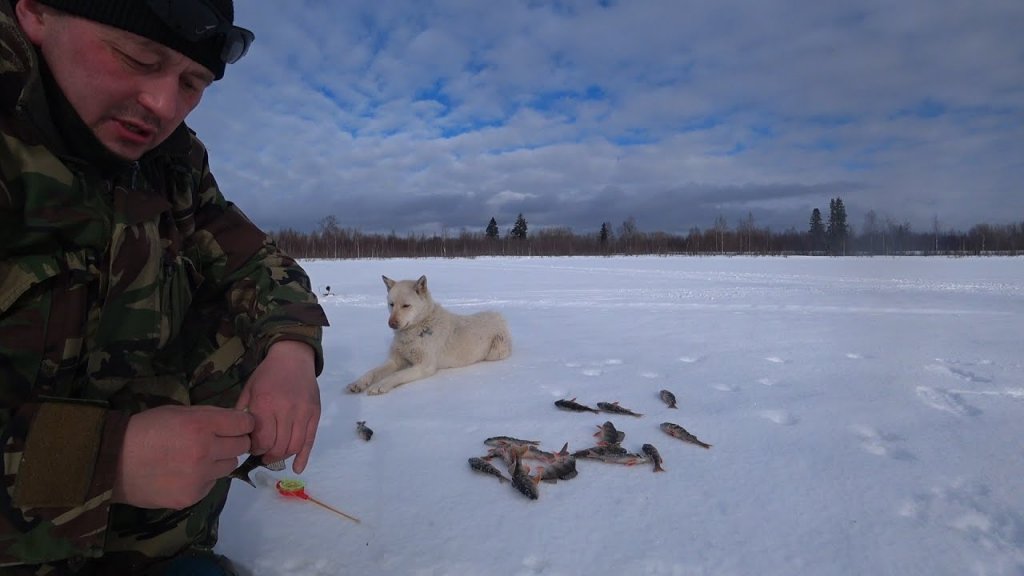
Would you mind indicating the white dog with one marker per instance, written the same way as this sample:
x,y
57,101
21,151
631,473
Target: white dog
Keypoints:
x,y
428,338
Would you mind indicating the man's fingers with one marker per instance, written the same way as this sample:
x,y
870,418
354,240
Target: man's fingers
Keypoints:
x,y
280,449
243,399
233,423
298,437
223,467
299,464
230,447
264,436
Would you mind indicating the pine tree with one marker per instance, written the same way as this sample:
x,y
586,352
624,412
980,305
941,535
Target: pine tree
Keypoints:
x,y
519,228
492,229
605,234
837,228
817,231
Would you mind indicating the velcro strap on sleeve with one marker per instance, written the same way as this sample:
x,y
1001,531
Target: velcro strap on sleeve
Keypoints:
x,y
60,455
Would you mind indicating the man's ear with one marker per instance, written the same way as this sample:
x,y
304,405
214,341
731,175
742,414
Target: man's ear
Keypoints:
x,y
32,16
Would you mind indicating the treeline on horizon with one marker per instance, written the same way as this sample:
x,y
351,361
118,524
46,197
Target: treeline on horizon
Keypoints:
x,y
824,237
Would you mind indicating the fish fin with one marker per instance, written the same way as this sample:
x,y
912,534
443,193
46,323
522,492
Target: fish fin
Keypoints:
x,y
274,466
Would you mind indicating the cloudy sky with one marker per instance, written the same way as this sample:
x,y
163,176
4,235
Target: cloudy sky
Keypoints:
x,y
426,115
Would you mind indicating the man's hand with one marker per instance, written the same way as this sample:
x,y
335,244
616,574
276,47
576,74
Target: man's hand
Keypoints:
x,y
173,455
283,395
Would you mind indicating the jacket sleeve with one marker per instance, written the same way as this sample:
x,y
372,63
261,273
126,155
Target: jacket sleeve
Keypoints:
x,y
267,293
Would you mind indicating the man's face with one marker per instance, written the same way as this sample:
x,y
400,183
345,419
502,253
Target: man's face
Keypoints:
x,y
130,91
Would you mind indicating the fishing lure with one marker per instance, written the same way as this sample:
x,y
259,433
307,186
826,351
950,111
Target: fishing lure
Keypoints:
x,y
295,488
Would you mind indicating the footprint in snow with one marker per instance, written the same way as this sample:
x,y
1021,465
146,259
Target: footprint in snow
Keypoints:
x,y
298,566
534,565
945,401
780,417
965,371
982,519
881,443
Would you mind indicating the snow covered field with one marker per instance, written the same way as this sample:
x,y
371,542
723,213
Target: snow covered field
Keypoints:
x,y
866,416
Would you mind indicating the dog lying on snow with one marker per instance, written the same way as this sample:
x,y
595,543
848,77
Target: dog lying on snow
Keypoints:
x,y
428,338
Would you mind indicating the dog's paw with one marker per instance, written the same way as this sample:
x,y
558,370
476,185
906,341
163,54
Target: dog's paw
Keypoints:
x,y
379,388
356,387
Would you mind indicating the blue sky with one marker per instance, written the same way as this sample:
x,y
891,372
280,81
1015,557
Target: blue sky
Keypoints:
x,y
424,116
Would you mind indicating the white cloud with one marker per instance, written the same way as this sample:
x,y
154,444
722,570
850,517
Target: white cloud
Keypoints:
x,y
399,114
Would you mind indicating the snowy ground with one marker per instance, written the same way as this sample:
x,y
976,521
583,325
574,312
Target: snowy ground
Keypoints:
x,y
867,417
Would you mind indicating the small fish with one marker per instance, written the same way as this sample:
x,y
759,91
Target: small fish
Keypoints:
x,y
572,406
677,431
598,452
608,434
534,453
364,432
481,465
561,467
251,463
652,454
614,454
668,398
614,408
521,479
497,440
503,451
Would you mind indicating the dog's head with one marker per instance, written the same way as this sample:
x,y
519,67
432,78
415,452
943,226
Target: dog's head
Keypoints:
x,y
408,300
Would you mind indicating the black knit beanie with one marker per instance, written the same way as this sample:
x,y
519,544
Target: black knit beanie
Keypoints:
x,y
135,16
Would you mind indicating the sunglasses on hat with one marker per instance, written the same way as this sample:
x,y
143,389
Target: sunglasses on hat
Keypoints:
x,y
197,20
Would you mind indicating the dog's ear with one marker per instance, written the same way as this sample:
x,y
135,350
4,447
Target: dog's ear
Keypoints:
x,y
421,285
388,282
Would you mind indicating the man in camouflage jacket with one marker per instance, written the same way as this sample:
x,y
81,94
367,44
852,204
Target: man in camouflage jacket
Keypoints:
x,y
149,333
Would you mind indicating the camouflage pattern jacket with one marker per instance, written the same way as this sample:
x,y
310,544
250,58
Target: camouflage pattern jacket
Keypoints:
x,y
99,275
